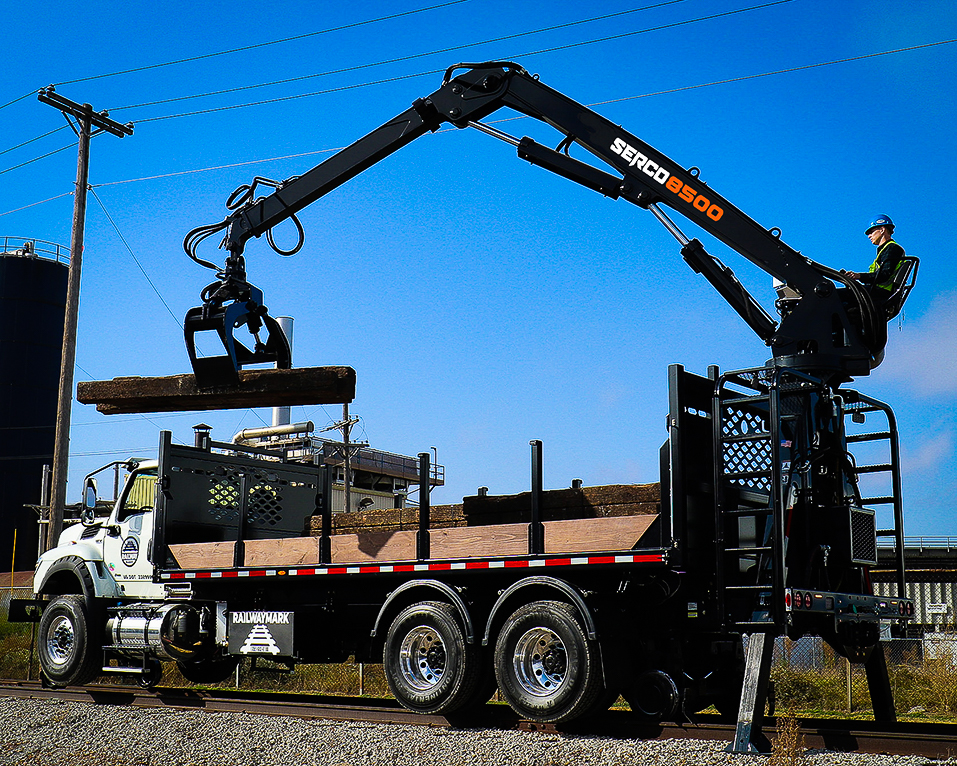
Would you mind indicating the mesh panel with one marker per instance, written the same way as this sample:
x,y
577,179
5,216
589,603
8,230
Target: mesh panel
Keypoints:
x,y
746,456
863,537
265,505
224,498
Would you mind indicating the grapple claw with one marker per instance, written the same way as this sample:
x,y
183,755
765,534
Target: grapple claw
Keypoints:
x,y
223,370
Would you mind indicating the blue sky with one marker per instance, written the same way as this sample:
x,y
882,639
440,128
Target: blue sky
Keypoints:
x,y
484,302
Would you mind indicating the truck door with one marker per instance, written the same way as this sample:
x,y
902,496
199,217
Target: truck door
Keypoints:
x,y
129,535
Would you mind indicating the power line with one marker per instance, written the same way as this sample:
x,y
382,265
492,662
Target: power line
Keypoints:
x,y
223,53
712,83
136,419
36,159
226,52
34,204
254,46
37,138
133,255
398,59
219,167
96,453
19,98
803,67
291,98
435,71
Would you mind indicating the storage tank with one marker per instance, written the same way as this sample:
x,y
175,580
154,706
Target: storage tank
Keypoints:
x,y
33,284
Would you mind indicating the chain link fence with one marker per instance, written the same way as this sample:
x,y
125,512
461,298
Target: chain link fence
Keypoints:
x,y
812,679
17,655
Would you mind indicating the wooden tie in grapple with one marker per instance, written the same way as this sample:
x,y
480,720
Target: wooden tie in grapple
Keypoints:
x,y
229,304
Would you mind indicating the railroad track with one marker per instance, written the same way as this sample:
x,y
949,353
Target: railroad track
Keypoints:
x,y
932,740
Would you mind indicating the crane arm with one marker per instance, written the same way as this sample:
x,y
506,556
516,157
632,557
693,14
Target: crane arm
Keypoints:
x,y
816,332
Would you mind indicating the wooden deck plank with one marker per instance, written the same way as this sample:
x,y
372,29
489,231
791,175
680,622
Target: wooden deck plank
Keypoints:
x,y
618,533
257,388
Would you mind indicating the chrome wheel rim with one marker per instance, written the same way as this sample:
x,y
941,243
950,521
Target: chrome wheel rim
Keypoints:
x,y
540,663
60,640
422,658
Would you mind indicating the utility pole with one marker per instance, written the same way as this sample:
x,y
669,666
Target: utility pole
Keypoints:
x,y
347,449
347,459
87,120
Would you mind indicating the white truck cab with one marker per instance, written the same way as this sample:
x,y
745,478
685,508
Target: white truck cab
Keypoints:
x,y
107,557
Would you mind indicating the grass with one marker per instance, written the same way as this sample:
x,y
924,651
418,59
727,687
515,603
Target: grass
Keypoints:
x,y
788,749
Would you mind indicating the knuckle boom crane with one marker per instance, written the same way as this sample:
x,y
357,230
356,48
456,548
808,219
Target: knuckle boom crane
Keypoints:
x,y
831,332
763,527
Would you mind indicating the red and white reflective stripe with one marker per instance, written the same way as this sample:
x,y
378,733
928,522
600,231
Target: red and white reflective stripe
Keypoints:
x,y
437,566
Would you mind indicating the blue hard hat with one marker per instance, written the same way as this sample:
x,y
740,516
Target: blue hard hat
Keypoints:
x,y
879,220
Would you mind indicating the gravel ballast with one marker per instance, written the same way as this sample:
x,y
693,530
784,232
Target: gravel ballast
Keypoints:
x,y
55,733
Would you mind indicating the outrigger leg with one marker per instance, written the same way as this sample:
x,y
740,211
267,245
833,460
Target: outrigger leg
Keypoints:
x,y
748,736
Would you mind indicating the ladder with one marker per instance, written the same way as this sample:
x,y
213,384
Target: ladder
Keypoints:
x,y
887,470
757,413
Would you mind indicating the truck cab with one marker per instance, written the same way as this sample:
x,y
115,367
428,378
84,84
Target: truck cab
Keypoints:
x,y
107,557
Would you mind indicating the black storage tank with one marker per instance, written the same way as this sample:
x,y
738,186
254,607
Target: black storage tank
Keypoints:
x,y
33,284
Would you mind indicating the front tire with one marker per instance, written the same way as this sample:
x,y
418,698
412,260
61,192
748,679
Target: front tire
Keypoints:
x,y
428,664
547,670
69,649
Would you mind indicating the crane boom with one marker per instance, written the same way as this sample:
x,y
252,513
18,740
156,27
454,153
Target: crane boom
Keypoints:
x,y
830,332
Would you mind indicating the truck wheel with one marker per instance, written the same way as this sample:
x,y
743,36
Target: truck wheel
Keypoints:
x,y
152,674
653,696
70,653
428,665
546,669
208,671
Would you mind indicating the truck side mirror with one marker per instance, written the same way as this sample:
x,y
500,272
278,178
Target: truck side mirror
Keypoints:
x,y
88,515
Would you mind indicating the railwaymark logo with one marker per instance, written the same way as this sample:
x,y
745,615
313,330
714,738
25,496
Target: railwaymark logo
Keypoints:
x,y
130,551
663,176
259,641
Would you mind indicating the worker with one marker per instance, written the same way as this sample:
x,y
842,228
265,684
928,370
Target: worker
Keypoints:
x,y
880,277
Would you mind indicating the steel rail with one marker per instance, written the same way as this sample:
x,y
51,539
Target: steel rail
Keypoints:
x,y
926,739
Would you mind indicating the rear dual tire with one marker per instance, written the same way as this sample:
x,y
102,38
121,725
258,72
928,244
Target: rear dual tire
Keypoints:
x,y
429,665
546,667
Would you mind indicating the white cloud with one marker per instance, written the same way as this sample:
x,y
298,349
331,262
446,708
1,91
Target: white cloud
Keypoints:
x,y
930,455
922,356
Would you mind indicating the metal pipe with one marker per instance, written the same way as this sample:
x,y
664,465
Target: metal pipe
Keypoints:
x,y
670,225
247,434
422,548
536,530
325,541
281,415
495,133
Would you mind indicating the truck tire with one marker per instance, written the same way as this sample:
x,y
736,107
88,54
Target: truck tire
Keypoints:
x,y
653,696
546,668
208,671
69,645
428,664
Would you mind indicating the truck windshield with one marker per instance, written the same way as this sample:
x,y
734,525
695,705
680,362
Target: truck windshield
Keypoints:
x,y
139,494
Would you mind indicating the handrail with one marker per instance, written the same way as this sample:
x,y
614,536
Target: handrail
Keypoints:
x,y
30,247
936,542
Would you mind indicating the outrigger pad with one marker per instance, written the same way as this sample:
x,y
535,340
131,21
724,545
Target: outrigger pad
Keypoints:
x,y
254,388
